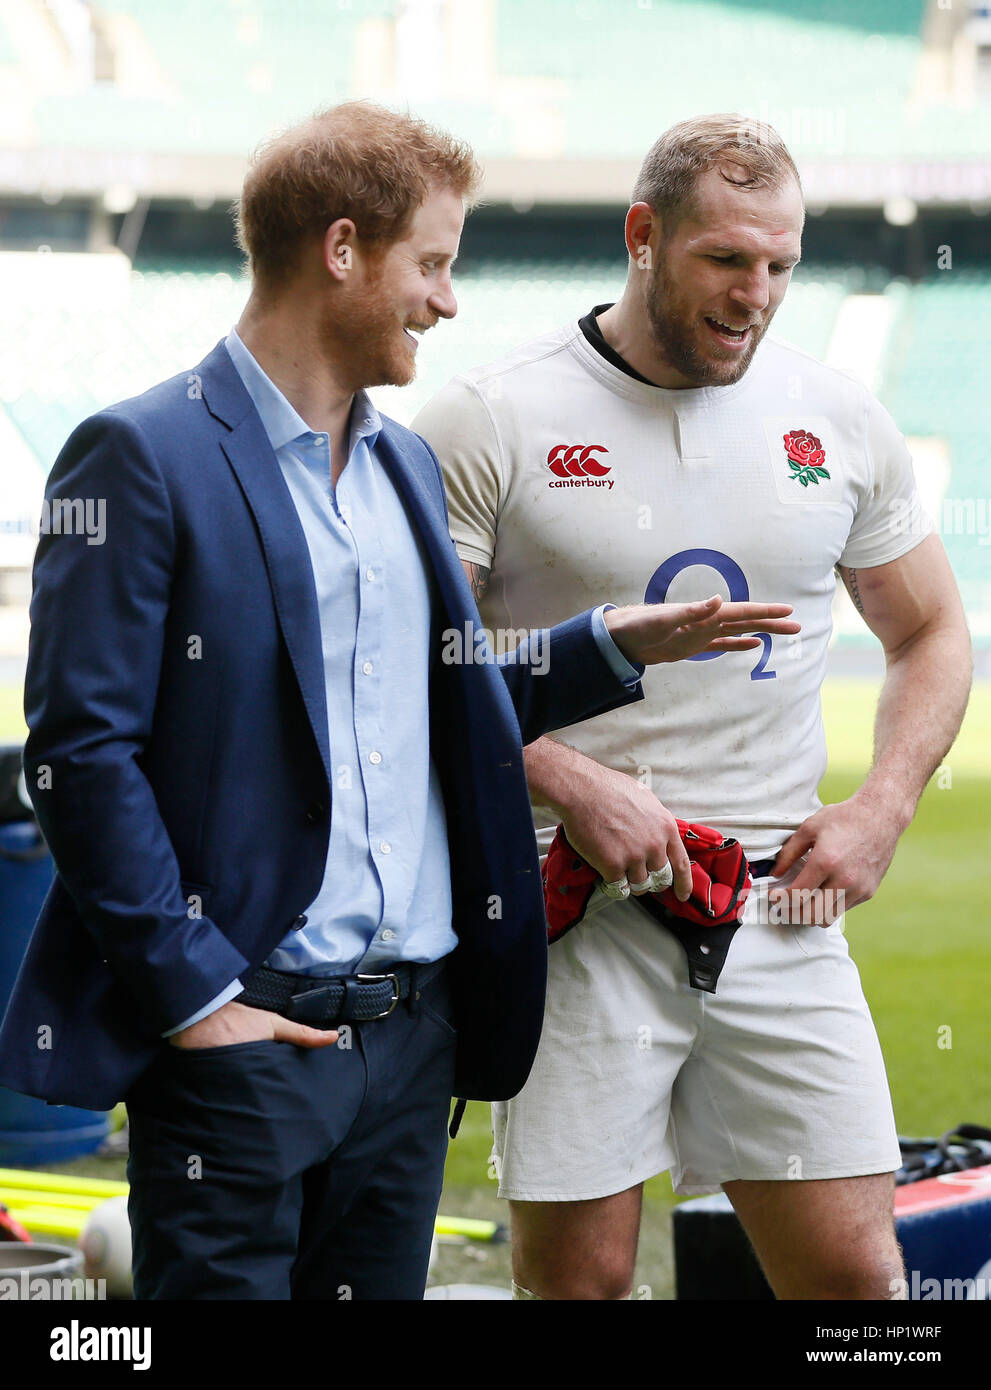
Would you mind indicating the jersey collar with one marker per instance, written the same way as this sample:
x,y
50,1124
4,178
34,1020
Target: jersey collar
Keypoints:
x,y
606,362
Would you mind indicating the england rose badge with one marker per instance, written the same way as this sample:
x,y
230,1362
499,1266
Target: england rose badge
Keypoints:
x,y
806,457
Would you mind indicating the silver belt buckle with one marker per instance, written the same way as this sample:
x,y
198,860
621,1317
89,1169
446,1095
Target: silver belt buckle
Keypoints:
x,y
377,979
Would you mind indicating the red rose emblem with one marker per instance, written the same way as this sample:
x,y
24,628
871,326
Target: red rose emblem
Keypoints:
x,y
805,449
806,456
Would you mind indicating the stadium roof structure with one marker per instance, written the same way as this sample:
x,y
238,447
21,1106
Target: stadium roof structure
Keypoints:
x,y
876,98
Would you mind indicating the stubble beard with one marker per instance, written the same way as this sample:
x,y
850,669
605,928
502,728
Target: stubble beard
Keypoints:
x,y
369,339
674,336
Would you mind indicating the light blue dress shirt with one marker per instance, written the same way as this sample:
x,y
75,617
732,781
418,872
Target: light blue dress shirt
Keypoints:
x,y
386,891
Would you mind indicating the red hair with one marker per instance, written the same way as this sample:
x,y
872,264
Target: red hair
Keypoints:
x,y
357,160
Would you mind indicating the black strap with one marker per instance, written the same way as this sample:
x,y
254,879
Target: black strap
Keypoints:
x,y
965,1146
460,1105
971,1139
706,948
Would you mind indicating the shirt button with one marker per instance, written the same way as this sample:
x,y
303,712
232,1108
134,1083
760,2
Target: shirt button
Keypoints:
x,y
385,847
369,574
368,668
388,934
375,758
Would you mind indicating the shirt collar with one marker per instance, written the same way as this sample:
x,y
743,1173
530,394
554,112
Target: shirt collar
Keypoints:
x,y
281,420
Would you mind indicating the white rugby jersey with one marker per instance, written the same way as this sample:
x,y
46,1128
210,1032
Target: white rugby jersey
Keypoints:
x,y
577,484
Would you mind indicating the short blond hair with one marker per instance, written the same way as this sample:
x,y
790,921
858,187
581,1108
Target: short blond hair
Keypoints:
x,y
356,160
669,175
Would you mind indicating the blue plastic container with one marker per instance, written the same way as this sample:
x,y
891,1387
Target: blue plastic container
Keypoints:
x,y
31,1131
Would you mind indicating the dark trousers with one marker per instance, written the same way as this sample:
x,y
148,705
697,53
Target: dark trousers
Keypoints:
x,y
263,1170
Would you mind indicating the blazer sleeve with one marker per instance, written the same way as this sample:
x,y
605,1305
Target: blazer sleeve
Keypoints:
x,y
559,676
98,616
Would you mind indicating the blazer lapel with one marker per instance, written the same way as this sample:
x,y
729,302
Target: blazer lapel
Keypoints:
x,y
427,513
287,556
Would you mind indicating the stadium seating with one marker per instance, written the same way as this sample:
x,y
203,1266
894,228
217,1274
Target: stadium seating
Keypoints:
x,y
595,78
842,71
935,382
259,43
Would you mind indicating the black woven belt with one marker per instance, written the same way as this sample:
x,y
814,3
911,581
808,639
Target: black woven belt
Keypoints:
x,y
323,1001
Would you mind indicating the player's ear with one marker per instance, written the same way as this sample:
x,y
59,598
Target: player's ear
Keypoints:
x,y
641,221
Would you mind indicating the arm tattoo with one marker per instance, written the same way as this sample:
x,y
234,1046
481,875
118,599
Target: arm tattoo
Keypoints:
x,y
479,577
855,592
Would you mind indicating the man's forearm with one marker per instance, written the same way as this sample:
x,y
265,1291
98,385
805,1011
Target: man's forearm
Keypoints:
x,y
919,713
557,774
612,820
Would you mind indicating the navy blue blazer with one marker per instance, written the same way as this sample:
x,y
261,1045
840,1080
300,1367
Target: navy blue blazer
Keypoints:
x,y
158,774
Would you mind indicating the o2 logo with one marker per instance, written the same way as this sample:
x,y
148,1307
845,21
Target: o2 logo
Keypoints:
x,y
739,592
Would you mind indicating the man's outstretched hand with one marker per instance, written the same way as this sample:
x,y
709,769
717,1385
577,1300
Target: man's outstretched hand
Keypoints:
x,y
650,633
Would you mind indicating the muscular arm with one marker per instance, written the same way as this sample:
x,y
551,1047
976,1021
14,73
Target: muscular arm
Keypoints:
x,y
913,607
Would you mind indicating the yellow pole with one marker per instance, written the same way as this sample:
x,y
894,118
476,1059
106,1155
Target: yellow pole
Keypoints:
x,y
61,1182
53,1221
17,1197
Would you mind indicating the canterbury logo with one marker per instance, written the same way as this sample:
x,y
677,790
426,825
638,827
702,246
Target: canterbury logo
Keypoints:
x,y
574,466
576,461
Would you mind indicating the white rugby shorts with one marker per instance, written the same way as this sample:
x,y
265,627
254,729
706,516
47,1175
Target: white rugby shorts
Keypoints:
x,y
776,1076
